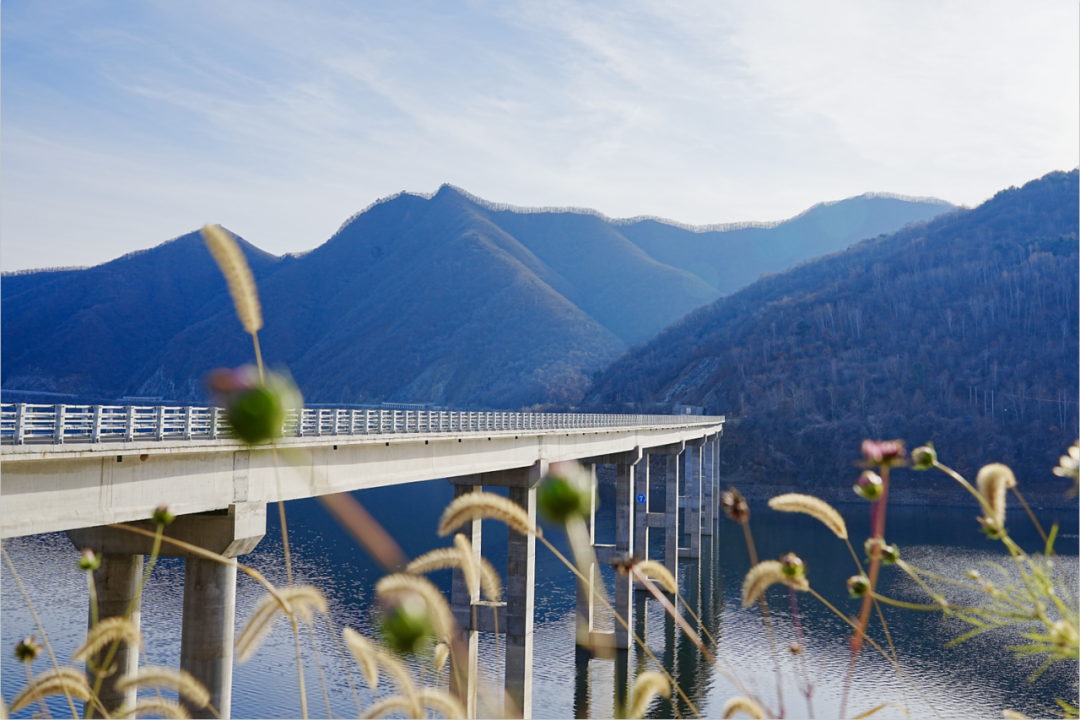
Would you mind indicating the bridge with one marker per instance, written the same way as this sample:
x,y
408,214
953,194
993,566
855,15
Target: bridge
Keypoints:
x,y
81,468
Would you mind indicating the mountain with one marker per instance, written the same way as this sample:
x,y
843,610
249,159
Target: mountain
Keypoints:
x,y
443,298
962,330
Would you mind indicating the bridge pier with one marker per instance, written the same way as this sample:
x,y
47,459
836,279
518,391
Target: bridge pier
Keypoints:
x,y
116,583
209,614
586,602
462,604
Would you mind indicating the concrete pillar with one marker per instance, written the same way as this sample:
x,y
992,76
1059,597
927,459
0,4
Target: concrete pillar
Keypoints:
x,y
520,583
707,490
671,525
209,614
693,501
206,640
463,679
116,582
586,602
641,509
624,545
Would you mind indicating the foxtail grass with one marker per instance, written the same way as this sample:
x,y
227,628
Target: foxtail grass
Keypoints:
x,y
486,506
166,677
812,506
56,681
647,685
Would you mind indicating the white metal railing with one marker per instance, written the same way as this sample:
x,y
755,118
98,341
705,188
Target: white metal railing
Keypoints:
x,y
25,424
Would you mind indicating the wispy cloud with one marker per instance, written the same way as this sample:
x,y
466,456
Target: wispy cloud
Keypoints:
x,y
280,120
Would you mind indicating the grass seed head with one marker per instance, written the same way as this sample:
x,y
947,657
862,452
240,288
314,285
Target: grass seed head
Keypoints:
x,y
485,506
993,481
647,686
105,633
815,508
166,677
55,681
742,705
657,572
763,576
230,258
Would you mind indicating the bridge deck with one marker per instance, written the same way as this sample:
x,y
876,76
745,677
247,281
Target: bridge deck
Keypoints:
x,y
76,472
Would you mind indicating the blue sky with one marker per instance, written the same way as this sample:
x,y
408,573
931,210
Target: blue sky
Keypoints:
x,y
126,124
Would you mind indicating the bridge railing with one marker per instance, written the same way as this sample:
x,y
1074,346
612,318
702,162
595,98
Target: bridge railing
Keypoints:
x,y
27,424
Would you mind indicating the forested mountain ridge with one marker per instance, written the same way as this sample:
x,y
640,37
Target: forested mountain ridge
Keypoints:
x,y
441,298
962,330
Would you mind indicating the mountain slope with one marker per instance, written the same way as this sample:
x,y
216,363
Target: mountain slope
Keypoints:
x,y
444,298
962,330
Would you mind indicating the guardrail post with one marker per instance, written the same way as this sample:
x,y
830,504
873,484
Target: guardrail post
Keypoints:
x,y
129,428
187,422
159,422
20,423
95,429
58,428
214,422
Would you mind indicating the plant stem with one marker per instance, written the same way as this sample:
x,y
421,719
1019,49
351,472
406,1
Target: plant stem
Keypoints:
x,y
40,627
808,689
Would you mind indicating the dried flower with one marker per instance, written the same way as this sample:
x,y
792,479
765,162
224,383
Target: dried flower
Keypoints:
x,y
1069,467
923,458
858,585
883,453
735,505
28,649
88,561
869,486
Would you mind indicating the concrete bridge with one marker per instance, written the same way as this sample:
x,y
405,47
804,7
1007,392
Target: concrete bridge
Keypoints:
x,y
79,468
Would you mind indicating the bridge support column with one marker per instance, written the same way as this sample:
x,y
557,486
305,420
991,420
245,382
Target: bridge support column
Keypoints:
x,y
708,489
206,639
116,583
520,584
641,509
586,602
624,546
692,505
463,674
671,519
206,642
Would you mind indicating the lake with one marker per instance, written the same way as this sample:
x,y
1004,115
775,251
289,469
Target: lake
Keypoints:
x,y
978,678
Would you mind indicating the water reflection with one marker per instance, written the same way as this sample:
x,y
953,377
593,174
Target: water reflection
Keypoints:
x,y
978,678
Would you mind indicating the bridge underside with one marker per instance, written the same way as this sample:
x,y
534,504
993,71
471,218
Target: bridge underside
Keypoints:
x,y
50,489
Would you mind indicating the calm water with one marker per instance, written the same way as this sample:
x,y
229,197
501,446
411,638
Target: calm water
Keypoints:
x,y
978,678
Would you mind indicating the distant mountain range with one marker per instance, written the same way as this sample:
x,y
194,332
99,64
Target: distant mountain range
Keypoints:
x,y
443,298
962,330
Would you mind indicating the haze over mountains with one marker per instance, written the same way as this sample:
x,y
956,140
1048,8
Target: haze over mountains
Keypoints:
x,y
963,331
443,298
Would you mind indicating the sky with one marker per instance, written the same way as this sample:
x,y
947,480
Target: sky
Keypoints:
x,y
128,124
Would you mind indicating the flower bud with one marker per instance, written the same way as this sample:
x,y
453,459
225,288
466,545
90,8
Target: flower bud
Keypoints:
x,y
858,585
89,561
890,554
162,516
407,625
992,528
883,453
1064,635
735,505
565,492
27,650
254,407
795,648
792,566
923,458
869,486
